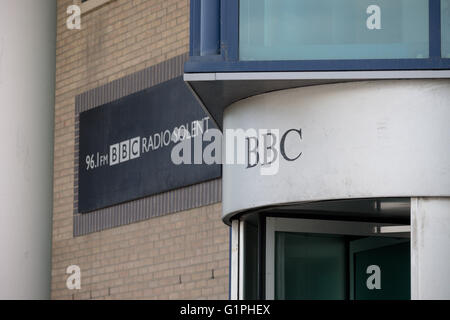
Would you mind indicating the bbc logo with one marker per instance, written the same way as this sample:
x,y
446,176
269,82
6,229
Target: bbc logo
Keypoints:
x,y
124,151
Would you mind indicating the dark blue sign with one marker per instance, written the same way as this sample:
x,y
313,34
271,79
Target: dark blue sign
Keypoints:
x,y
125,146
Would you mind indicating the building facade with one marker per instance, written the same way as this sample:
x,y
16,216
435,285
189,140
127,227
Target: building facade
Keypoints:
x,y
169,245
216,149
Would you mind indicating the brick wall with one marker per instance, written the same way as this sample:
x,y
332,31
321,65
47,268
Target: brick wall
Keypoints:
x,y
178,256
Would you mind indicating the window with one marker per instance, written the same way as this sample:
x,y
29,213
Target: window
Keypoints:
x,y
323,35
309,266
329,30
445,28
335,260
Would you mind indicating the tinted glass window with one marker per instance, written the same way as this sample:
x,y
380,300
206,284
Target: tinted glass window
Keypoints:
x,y
445,25
333,29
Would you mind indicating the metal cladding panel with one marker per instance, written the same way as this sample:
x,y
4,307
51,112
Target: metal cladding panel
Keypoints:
x,y
358,140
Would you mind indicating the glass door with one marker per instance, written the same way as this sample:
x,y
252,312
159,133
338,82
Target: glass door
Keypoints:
x,y
310,266
335,260
380,269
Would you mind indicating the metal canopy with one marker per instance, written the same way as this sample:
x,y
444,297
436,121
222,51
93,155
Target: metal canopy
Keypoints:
x,y
217,91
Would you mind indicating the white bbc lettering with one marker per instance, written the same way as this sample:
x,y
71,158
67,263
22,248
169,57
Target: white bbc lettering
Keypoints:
x,y
114,154
374,280
374,20
125,151
135,151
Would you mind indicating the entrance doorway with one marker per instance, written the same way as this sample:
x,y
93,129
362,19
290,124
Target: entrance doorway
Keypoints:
x,y
331,250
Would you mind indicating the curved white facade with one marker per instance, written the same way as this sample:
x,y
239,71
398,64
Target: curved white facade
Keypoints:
x,y
359,140
27,71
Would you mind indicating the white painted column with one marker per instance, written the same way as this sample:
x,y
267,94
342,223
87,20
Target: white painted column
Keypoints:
x,y
234,290
237,259
241,259
430,248
27,71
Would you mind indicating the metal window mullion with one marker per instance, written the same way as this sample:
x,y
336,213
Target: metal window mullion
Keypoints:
x,y
435,28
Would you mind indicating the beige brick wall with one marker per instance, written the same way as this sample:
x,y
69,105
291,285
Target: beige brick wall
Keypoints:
x,y
169,257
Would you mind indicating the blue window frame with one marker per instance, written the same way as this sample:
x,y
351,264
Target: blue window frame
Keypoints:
x,y
227,59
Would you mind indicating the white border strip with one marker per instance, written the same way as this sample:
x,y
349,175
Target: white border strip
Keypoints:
x,y
326,75
234,290
393,229
241,259
199,76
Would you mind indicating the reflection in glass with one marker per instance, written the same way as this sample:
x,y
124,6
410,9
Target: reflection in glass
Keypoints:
x,y
310,267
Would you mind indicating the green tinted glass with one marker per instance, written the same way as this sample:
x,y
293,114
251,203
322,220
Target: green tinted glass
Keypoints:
x,y
333,29
445,27
309,267
382,273
251,262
